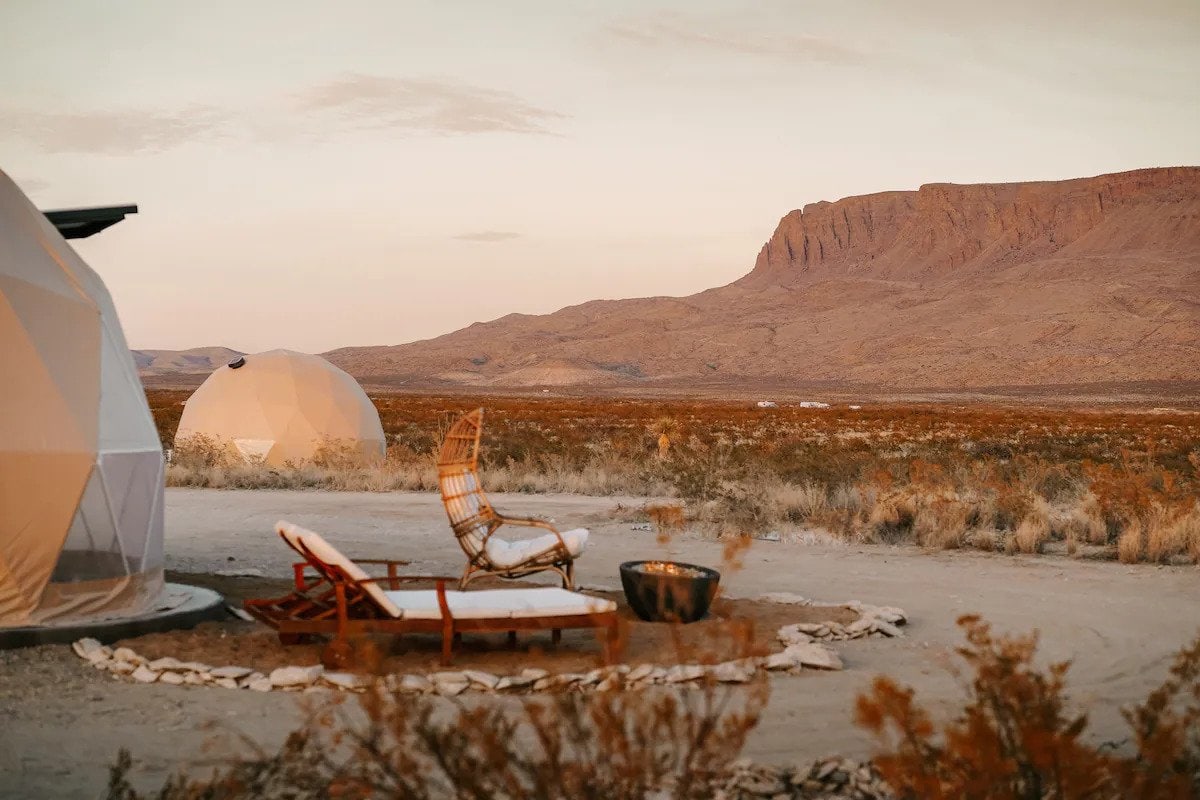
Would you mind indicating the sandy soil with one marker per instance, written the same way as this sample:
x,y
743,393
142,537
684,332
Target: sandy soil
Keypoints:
x,y
63,723
733,629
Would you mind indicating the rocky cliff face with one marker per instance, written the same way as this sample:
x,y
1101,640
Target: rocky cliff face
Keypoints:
x,y
946,228
1095,280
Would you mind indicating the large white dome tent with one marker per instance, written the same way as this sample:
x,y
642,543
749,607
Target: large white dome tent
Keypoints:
x,y
281,407
81,468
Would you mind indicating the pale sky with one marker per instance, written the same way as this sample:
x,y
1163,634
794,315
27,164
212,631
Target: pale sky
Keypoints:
x,y
313,175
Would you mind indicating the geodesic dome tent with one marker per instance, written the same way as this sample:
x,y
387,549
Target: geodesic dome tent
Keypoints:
x,y
81,466
282,407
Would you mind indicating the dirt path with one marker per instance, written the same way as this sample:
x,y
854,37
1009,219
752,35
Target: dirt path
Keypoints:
x,y
62,723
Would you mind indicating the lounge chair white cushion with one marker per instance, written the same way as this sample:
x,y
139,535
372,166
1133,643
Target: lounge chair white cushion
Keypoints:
x,y
499,603
326,552
487,604
505,554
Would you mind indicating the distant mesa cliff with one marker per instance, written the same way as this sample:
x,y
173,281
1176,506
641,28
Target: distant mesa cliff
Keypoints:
x,y
942,228
1093,280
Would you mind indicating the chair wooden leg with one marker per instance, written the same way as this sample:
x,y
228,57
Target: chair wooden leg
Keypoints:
x,y
612,641
449,637
569,576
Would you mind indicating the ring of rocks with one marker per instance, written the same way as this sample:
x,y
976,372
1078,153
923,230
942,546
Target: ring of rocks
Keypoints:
x,y
805,645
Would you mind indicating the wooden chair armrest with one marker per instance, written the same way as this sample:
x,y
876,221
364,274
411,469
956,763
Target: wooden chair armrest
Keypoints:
x,y
404,579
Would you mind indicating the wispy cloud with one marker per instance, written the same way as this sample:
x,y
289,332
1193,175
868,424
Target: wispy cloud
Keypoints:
x,y
429,106
353,102
676,30
122,132
487,236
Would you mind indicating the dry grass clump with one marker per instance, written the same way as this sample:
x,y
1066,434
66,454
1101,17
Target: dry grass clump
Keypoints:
x,y
1017,739
1018,480
1034,528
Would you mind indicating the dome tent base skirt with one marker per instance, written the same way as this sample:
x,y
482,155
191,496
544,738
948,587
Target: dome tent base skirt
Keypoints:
x,y
196,605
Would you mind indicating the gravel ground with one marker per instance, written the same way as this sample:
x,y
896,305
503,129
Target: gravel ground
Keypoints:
x,y
62,722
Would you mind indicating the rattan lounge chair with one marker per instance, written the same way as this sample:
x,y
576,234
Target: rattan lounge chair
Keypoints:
x,y
339,599
475,521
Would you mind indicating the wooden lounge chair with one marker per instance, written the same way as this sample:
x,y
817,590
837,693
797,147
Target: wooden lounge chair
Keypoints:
x,y
339,599
475,521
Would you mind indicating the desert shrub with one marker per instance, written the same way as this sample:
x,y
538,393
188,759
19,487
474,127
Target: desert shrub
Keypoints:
x,y
1034,529
1129,543
201,452
935,475
620,745
1016,737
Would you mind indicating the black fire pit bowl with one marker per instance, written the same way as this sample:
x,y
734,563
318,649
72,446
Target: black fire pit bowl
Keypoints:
x,y
661,597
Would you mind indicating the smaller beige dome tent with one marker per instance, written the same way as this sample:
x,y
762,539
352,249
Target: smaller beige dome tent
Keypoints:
x,y
282,407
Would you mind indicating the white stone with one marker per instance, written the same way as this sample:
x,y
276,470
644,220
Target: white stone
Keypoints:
x,y
514,682
887,628
121,667
260,684
101,656
610,683
144,675
174,678
230,672
485,679
414,683
244,572
193,678
534,672
811,628
253,676
682,673
781,660
891,614
815,656
733,672
166,662
194,666
791,634
225,683
785,598
128,655
85,646
448,675
448,688
295,676
346,680
595,676
640,673
861,626
657,675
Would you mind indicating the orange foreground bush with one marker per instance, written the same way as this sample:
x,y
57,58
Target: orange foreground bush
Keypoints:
x,y
1016,739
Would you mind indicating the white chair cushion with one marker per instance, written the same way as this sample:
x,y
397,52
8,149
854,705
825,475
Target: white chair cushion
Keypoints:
x,y
487,604
506,554
326,552
499,603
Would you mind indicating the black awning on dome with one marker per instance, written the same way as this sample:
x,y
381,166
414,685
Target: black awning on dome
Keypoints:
x,y
79,223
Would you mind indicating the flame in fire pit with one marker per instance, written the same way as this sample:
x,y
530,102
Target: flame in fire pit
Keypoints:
x,y
669,568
